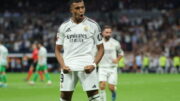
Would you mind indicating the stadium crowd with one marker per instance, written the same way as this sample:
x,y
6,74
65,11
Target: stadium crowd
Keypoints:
x,y
156,34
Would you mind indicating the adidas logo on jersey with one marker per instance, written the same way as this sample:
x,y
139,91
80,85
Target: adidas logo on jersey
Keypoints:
x,y
94,86
68,30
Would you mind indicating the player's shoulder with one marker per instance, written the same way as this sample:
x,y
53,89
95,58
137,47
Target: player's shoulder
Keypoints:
x,y
43,49
92,22
4,48
114,40
65,23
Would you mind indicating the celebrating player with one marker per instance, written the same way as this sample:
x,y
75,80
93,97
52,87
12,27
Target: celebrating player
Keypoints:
x,y
42,64
108,64
77,36
3,65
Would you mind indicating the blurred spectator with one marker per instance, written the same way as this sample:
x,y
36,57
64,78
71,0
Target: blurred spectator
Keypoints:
x,y
25,63
12,64
18,67
146,63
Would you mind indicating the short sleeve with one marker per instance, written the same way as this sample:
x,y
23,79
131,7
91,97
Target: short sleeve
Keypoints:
x,y
60,36
119,50
97,35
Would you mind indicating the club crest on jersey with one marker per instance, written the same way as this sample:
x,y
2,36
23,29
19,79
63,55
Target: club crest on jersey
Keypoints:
x,y
111,45
86,28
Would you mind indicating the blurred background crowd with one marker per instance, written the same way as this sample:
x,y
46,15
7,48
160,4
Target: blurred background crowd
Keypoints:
x,y
145,28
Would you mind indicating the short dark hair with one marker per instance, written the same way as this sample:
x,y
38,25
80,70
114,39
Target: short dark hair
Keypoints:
x,y
40,42
74,1
107,27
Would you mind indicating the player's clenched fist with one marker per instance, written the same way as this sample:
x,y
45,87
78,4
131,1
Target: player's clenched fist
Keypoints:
x,y
89,68
66,69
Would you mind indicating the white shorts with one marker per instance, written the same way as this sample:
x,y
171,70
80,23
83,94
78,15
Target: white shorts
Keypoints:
x,y
108,75
89,81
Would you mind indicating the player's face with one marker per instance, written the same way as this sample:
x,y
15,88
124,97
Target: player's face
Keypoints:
x,y
34,46
38,46
78,10
107,33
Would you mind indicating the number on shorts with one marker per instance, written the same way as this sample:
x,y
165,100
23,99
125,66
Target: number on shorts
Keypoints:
x,y
62,78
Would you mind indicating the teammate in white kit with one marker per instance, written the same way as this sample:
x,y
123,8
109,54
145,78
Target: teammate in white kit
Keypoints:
x,y
3,65
108,64
77,36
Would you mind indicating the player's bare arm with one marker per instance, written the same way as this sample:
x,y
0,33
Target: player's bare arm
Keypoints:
x,y
60,59
115,61
99,55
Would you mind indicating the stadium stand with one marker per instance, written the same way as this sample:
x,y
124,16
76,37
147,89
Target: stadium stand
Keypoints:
x,y
142,26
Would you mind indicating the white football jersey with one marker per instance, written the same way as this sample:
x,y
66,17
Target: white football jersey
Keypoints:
x,y
112,49
78,41
42,56
3,55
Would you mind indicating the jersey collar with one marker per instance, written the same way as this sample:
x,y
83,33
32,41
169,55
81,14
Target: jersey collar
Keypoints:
x,y
80,22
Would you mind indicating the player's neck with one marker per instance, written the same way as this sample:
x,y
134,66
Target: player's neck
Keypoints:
x,y
77,21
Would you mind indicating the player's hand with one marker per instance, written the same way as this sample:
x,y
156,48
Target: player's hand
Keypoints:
x,y
66,69
88,69
115,61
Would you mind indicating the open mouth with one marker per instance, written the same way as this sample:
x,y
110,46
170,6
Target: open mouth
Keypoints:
x,y
81,15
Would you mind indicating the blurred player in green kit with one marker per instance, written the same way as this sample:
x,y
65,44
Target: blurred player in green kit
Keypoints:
x,y
3,65
41,65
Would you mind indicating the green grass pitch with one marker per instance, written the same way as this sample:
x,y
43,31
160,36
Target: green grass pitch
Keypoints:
x,y
131,87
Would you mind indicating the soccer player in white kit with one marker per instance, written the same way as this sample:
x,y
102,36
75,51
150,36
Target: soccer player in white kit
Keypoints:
x,y
3,65
108,64
77,37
